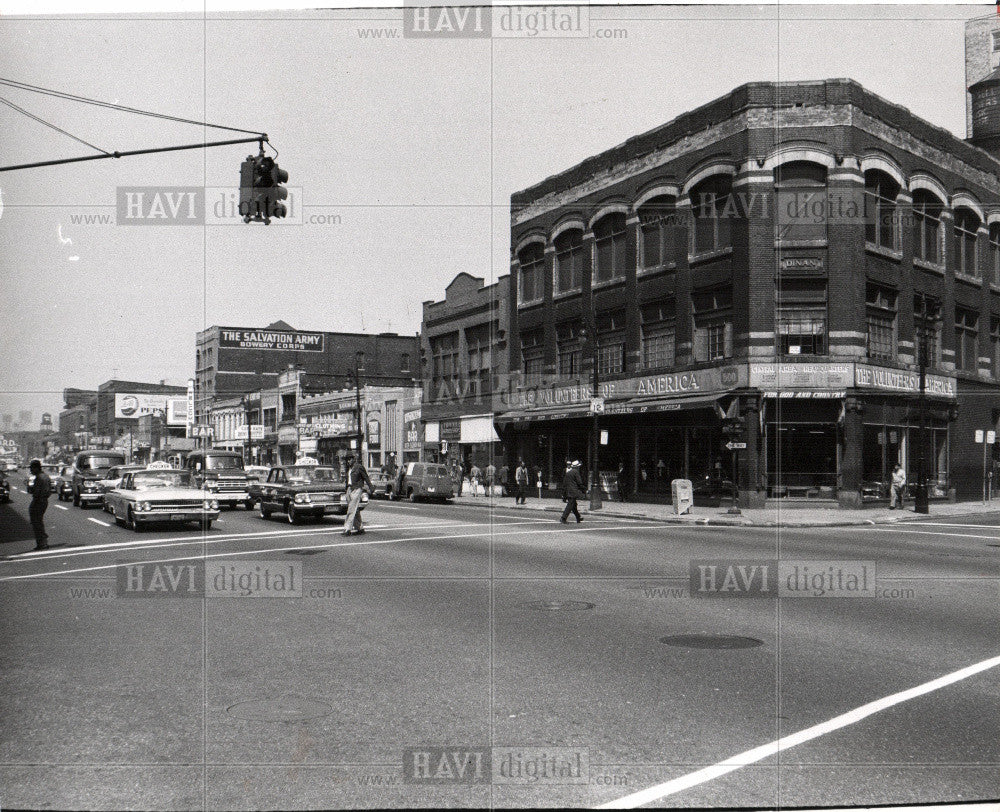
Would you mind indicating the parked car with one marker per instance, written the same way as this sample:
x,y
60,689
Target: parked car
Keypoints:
x,y
89,468
304,490
221,473
4,487
163,495
256,474
113,479
62,485
423,480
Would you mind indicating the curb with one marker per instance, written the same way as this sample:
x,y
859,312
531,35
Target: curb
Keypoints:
x,y
712,521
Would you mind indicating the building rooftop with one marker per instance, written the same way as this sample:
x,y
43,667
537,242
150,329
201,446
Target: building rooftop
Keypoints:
x,y
826,92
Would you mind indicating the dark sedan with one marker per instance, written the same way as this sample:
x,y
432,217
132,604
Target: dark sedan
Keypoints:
x,y
299,491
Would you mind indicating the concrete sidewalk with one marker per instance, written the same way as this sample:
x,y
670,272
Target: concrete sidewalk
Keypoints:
x,y
778,516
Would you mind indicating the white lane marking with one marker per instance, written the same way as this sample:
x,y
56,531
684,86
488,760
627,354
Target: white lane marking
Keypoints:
x,y
557,529
943,535
185,541
98,521
702,776
62,507
950,524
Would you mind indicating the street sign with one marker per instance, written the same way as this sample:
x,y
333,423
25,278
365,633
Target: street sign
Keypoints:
x,y
991,437
735,446
597,405
979,435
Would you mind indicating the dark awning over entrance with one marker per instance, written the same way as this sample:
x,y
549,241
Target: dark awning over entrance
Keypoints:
x,y
632,406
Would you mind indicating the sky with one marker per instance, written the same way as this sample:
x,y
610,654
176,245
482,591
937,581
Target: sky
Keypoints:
x,y
402,155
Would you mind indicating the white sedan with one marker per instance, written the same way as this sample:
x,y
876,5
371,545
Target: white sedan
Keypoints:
x,y
160,496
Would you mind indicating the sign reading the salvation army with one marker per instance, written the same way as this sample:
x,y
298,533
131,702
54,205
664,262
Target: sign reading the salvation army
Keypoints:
x,y
270,340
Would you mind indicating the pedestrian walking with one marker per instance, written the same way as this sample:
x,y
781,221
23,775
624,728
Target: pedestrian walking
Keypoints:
x,y
357,481
504,479
475,475
521,481
39,486
458,474
898,489
572,490
489,477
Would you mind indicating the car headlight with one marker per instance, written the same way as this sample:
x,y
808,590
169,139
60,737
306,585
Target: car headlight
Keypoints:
x,y
212,486
301,497
206,505
145,506
214,505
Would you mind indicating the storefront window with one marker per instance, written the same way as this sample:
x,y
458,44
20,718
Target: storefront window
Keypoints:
x,y
801,459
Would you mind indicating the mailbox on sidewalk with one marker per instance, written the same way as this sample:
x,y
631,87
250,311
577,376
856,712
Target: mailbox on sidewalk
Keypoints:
x,y
683,495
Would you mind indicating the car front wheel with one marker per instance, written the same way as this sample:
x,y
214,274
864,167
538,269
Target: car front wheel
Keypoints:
x,y
133,525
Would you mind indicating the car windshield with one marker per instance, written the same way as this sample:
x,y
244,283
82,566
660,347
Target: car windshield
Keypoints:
x,y
150,480
51,469
310,473
214,463
96,463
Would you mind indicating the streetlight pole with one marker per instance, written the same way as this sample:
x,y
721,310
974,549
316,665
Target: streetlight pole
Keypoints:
x,y
920,502
249,446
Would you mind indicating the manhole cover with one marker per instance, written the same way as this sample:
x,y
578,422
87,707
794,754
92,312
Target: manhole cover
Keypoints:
x,y
303,552
557,606
711,641
283,709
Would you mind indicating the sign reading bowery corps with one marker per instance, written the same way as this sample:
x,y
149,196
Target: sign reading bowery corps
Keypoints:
x,y
270,340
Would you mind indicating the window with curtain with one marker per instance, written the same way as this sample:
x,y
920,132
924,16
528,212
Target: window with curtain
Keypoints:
x,y
531,260
966,226
801,199
712,226
880,305
609,248
881,221
927,236
569,261
657,230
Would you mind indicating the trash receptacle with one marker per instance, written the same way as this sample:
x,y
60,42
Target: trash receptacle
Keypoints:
x,y
682,494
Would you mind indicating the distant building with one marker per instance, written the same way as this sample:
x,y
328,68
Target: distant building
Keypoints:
x,y
120,406
464,361
234,361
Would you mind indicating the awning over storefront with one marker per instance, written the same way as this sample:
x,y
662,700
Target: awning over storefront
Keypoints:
x,y
478,429
631,406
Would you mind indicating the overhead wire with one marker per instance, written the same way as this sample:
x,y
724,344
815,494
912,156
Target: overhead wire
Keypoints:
x,y
119,107
50,124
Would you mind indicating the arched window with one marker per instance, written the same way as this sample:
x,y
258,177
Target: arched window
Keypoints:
x,y
800,189
529,279
609,247
710,210
927,210
569,261
657,229
966,226
881,223
995,253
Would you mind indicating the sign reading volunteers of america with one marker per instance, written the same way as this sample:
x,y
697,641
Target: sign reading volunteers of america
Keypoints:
x,y
271,340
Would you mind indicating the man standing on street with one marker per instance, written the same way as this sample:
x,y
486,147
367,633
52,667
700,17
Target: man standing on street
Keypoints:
x,y
490,475
504,479
40,487
572,490
357,480
521,480
898,487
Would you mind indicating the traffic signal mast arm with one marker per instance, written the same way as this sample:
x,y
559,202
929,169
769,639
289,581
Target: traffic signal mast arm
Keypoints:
x,y
128,153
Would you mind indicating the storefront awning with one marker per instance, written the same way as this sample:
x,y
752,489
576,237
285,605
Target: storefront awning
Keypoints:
x,y
632,406
645,405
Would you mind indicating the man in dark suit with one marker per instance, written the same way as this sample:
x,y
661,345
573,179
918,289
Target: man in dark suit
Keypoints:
x,y
572,490
40,486
357,482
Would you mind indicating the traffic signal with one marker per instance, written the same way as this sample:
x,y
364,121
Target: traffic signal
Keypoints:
x,y
261,189
733,426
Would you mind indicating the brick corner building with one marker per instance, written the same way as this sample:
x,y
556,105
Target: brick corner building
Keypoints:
x,y
780,255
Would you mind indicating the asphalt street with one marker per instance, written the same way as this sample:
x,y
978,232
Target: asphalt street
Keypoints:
x,y
463,656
